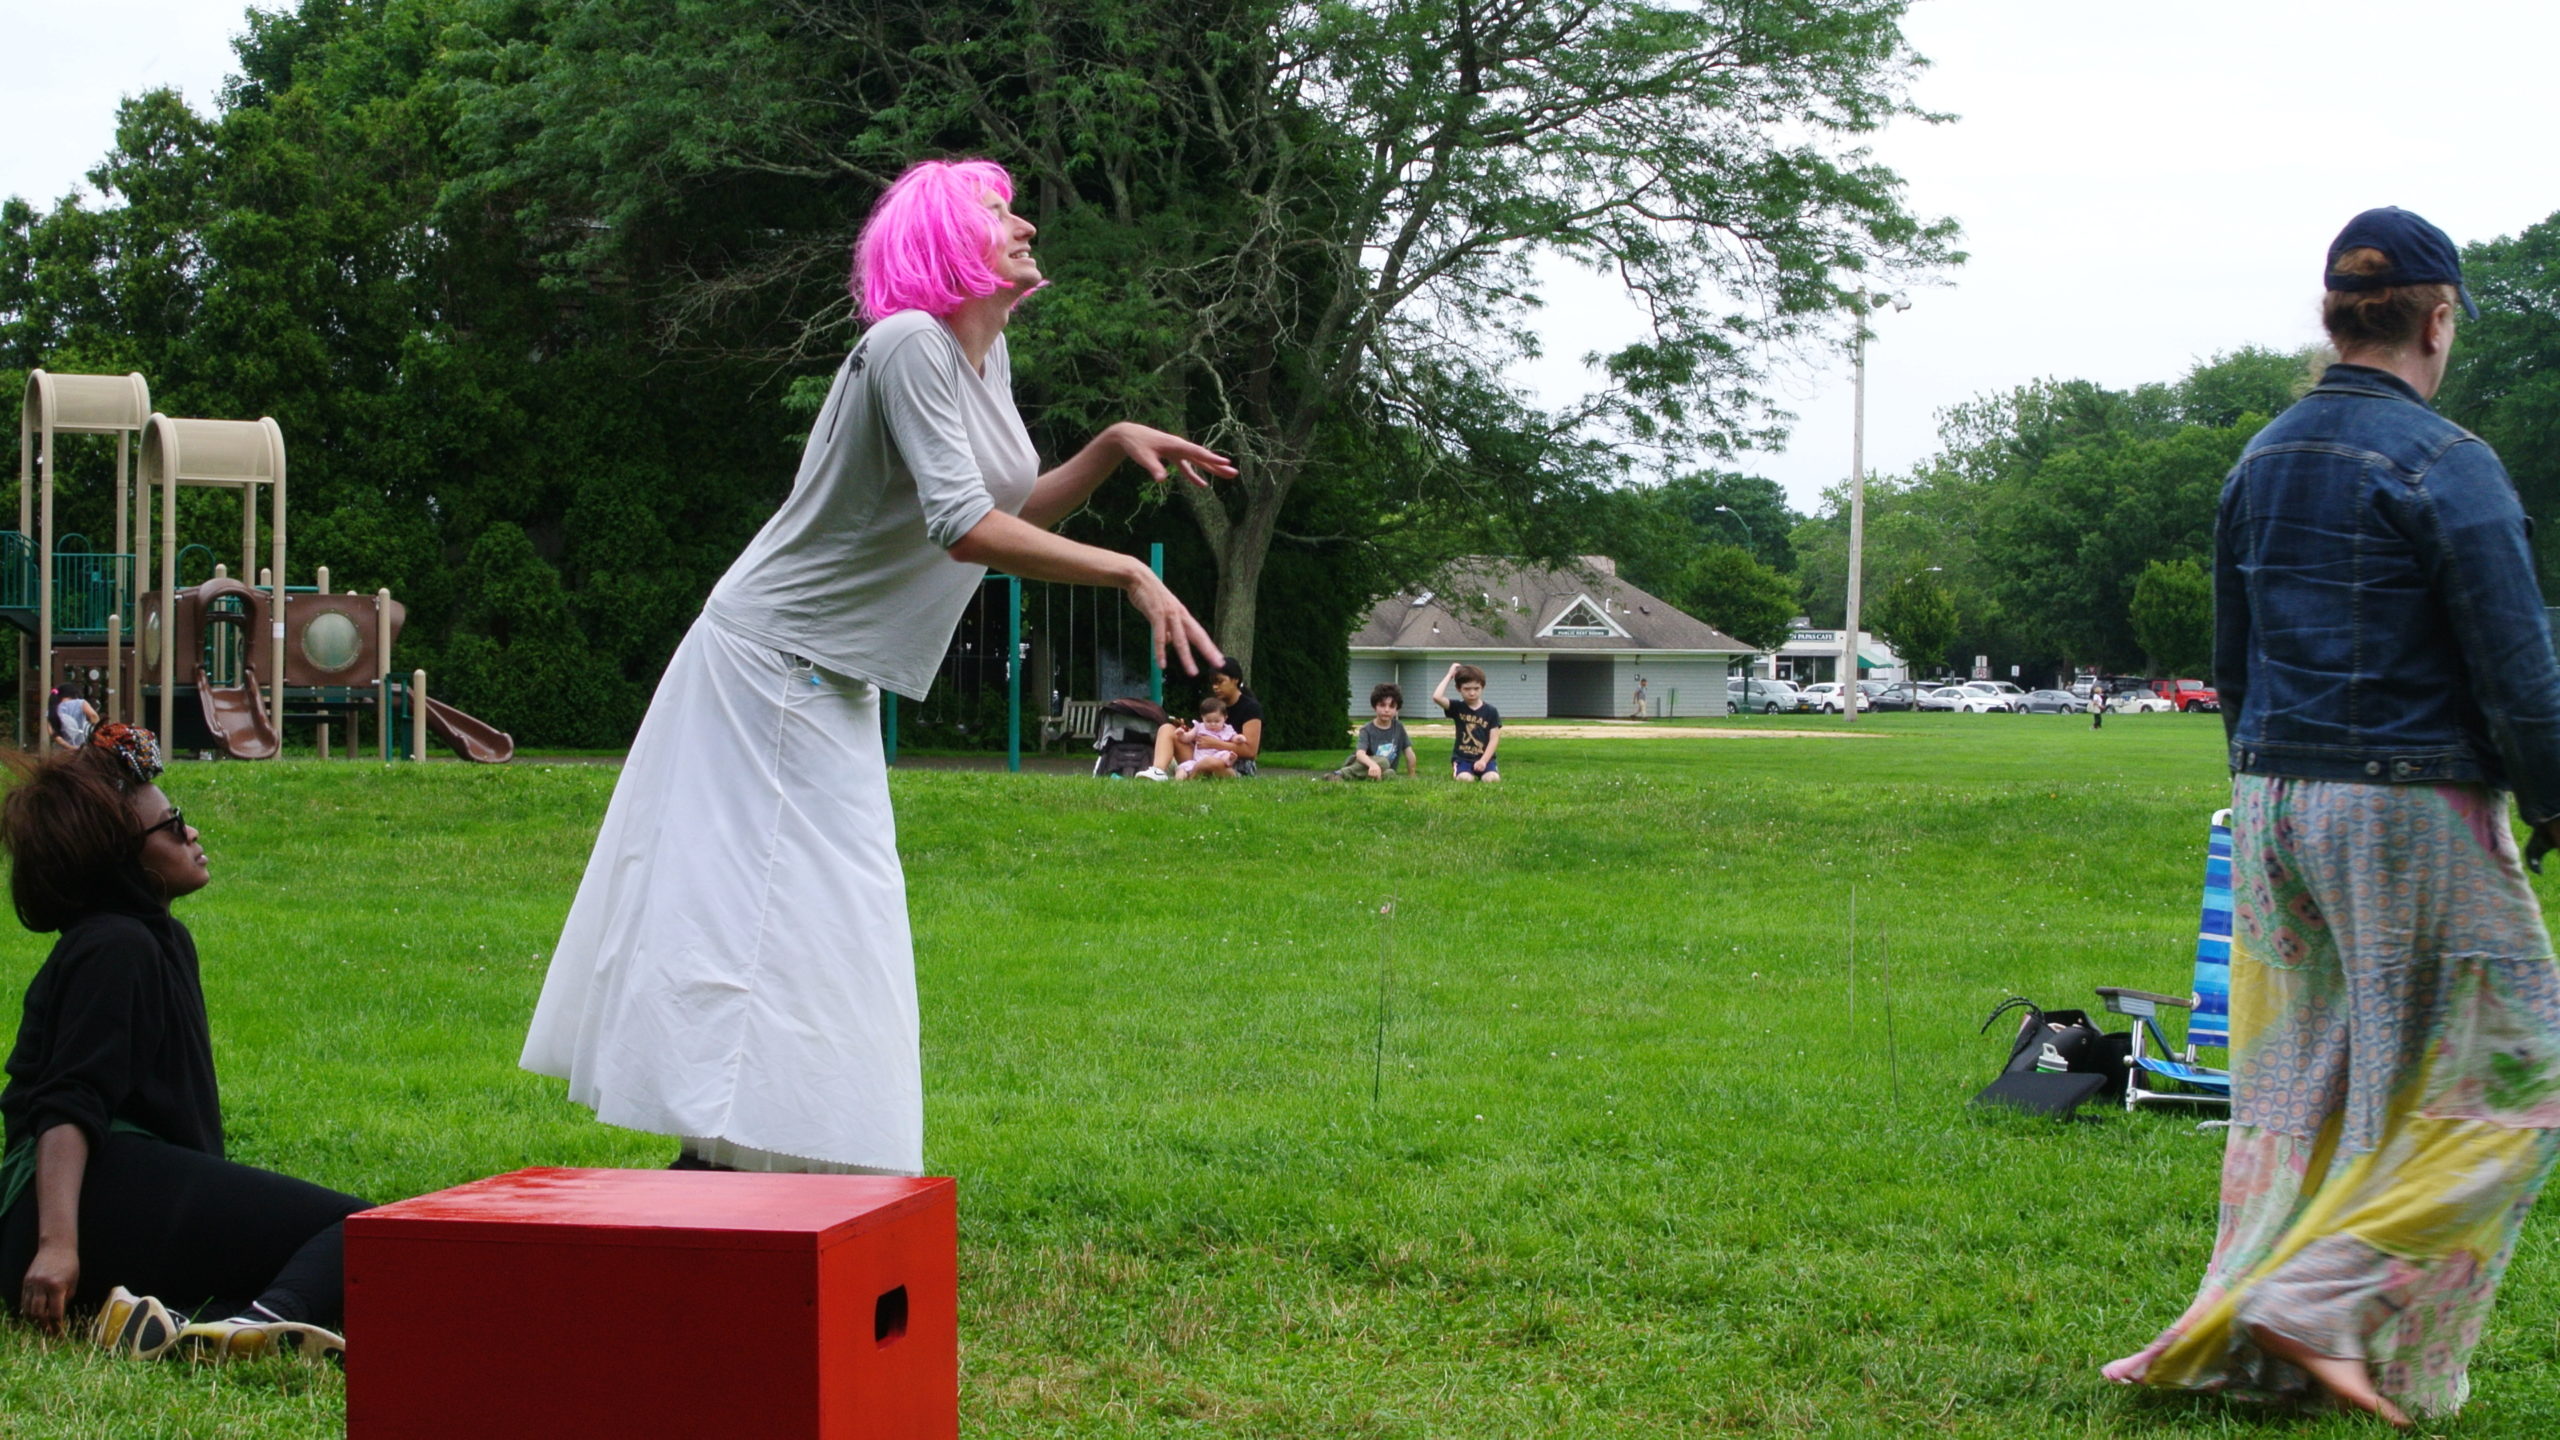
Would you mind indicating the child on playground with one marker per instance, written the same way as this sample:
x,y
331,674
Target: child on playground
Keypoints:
x,y
1207,762
1479,726
1381,743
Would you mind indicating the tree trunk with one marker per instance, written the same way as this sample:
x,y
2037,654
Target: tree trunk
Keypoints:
x,y
1239,544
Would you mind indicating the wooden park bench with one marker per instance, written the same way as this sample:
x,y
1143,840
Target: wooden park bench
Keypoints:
x,y
1081,720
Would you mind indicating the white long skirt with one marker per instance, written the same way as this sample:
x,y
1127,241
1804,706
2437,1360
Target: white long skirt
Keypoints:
x,y
737,965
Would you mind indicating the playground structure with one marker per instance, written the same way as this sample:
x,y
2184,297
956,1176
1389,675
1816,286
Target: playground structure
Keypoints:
x,y
193,664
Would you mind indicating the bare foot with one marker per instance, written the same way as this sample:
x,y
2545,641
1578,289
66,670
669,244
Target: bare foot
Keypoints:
x,y
2347,1380
2130,1369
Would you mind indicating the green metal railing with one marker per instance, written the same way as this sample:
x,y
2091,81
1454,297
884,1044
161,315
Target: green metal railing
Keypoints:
x,y
86,587
17,571
89,589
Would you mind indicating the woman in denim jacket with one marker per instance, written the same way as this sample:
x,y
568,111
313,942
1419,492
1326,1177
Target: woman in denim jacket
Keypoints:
x,y
2387,680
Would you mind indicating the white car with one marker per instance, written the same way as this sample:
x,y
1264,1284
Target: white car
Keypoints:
x,y
2017,697
2138,702
1945,697
1824,695
1984,696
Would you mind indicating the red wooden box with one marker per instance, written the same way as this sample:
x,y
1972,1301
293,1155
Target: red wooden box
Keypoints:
x,y
559,1304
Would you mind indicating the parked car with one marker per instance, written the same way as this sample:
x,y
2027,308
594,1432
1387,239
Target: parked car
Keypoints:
x,y
1824,695
1890,694
2054,702
1982,697
1763,697
2134,700
1944,697
2017,696
2191,696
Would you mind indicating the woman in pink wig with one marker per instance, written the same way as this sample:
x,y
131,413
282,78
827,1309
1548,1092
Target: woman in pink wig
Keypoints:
x,y
736,970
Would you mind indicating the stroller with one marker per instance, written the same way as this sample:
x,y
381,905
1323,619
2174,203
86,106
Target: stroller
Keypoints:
x,y
1125,734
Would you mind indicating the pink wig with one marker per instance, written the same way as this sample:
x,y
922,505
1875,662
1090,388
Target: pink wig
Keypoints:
x,y
925,245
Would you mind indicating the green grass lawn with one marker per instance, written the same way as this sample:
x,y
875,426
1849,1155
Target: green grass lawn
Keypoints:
x,y
1625,1165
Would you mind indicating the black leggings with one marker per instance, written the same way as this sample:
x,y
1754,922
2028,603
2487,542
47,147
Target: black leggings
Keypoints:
x,y
205,1236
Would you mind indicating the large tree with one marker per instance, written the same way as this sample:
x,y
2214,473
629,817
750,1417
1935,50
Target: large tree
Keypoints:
x,y
2045,503
2172,617
1917,616
285,256
2505,379
1271,223
1734,592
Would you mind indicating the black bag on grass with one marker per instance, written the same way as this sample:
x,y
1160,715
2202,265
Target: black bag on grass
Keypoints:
x,y
2092,1063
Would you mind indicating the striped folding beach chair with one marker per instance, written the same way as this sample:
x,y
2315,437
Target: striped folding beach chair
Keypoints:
x,y
2164,1073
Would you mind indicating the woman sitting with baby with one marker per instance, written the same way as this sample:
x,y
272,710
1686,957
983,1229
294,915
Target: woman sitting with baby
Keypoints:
x,y
1224,741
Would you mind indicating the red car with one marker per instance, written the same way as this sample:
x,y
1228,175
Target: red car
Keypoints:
x,y
2188,695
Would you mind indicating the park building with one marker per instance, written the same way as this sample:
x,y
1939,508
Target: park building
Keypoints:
x,y
1812,654
1565,642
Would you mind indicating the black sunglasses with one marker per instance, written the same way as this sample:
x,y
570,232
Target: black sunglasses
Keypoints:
x,y
175,822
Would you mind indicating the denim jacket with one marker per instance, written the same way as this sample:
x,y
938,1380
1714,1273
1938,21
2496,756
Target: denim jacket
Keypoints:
x,y
2376,613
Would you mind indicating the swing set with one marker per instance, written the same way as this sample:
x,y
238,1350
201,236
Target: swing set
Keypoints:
x,y
1072,644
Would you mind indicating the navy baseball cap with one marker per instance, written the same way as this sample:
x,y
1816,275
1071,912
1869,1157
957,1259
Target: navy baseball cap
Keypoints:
x,y
2420,254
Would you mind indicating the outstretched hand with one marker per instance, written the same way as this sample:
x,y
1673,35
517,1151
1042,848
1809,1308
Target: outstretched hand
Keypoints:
x,y
1171,625
1155,449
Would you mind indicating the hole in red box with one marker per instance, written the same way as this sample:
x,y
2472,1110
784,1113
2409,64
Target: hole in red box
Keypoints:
x,y
889,1316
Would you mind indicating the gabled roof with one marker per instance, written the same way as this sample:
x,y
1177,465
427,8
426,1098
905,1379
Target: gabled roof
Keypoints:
x,y
1488,603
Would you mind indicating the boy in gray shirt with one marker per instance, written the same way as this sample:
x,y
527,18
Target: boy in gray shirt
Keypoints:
x,y
1381,744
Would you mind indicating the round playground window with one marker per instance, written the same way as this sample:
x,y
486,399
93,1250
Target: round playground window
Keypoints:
x,y
331,641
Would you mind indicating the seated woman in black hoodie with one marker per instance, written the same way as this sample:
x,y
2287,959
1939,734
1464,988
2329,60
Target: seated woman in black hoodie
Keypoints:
x,y
114,1196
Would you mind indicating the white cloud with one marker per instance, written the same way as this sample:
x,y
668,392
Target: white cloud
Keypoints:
x,y
71,61
2143,187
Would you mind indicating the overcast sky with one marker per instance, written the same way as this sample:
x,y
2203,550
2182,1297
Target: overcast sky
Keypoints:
x,y
2140,186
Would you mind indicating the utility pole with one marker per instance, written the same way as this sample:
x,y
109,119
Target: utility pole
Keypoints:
x,y
1858,490
1857,511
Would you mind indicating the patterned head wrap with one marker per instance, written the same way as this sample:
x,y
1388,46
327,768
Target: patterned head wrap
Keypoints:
x,y
136,749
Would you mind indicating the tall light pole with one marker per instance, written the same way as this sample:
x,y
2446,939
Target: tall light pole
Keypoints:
x,y
1751,543
1858,484
1911,682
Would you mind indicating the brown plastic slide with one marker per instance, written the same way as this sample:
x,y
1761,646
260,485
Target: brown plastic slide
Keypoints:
x,y
477,740
235,716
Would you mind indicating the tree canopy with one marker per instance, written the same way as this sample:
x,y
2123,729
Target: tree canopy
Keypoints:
x,y
2172,615
2045,505
538,285
1301,233
1917,616
2504,382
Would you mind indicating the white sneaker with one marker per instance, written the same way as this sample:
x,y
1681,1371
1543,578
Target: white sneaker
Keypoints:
x,y
134,1325
242,1338
1152,773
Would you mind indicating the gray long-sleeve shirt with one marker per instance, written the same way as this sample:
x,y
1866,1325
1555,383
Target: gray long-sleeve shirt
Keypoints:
x,y
911,451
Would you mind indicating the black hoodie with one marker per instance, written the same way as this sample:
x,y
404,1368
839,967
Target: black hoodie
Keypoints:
x,y
114,1029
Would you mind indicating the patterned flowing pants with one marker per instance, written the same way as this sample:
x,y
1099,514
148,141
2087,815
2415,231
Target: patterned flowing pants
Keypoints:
x,y
2395,1028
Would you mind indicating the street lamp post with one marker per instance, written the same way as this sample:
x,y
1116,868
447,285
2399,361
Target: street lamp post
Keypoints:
x,y
1909,681
1752,543
1858,484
